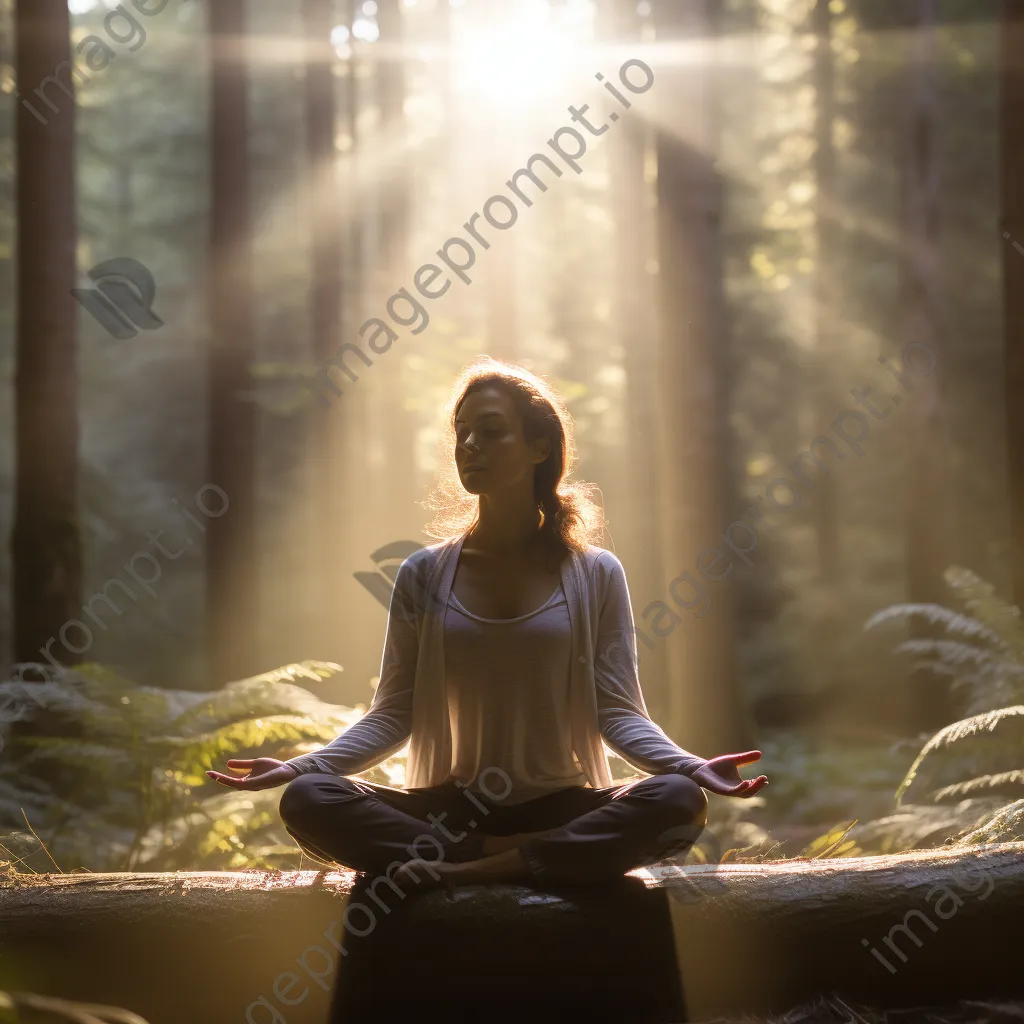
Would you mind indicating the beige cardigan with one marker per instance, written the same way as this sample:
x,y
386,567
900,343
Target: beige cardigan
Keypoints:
x,y
606,703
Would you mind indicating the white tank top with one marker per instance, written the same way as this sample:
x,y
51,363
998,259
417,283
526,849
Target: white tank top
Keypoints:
x,y
508,700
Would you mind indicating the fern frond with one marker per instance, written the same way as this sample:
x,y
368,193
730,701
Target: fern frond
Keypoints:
x,y
954,652
103,707
193,754
953,622
980,599
22,700
72,751
1012,717
1005,826
178,842
921,826
139,794
105,676
258,697
980,786
316,671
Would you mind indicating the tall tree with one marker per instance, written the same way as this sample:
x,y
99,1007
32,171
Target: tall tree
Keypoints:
x,y
825,499
636,477
1012,133
326,305
705,708
927,474
46,543
353,412
826,488
231,545
395,483
391,89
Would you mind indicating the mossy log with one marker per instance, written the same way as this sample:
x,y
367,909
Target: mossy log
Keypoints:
x,y
664,945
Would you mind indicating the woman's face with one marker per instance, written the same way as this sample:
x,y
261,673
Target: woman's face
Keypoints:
x,y
491,453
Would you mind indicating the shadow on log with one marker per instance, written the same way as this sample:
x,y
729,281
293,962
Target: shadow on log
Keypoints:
x,y
664,945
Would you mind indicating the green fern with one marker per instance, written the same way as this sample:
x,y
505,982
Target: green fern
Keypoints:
x,y
983,653
937,615
195,754
981,786
118,768
1005,826
238,699
980,758
980,600
994,736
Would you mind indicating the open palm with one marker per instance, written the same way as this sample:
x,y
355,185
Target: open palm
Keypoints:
x,y
255,773
721,775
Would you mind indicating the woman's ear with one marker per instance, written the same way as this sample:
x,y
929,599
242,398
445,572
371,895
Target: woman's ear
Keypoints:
x,y
541,449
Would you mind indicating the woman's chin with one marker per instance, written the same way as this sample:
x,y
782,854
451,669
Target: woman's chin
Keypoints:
x,y
474,481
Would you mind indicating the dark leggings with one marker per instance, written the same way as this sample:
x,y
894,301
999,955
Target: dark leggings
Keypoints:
x,y
596,833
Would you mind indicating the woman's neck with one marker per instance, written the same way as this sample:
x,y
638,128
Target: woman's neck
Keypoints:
x,y
506,528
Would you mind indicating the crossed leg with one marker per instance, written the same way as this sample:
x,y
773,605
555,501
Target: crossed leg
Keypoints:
x,y
630,826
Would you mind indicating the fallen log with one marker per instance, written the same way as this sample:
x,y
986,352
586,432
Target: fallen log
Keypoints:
x,y
663,945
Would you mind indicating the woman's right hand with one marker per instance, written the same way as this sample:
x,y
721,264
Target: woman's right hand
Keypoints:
x,y
255,773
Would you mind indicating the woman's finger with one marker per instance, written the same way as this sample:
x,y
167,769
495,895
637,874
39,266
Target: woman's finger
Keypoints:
x,y
724,789
753,785
229,780
239,762
747,757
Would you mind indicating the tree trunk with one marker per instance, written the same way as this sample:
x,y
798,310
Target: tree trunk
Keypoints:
x,y
706,713
395,424
46,542
231,547
635,481
356,531
1012,103
327,300
395,187
826,299
798,928
825,399
927,473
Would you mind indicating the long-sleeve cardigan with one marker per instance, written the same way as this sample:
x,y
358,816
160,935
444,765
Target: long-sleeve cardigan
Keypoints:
x,y
410,703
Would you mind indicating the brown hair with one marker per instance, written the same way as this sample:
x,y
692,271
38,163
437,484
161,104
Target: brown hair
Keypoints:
x,y
570,516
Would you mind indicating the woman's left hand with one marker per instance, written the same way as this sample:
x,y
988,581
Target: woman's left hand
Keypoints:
x,y
721,775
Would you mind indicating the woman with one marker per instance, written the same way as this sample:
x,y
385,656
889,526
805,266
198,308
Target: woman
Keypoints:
x,y
509,660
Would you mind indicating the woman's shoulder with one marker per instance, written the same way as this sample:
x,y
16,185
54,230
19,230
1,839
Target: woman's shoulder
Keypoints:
x,y
425,558
417,579
601,560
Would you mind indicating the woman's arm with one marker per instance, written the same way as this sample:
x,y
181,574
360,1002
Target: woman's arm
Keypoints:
x,y
388,722
622,713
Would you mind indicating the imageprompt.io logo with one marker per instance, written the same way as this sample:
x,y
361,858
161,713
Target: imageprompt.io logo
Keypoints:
x,y
388,560
122,301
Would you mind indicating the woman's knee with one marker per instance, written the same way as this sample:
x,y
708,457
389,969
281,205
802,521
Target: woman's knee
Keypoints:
x,y
304,795
685,796
684,818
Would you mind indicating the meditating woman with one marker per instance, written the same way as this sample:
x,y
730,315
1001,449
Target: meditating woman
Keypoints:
x,y
509,661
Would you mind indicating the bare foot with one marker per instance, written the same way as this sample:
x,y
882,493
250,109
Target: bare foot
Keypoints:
x,y
422,874
508,866
499,844
500,867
